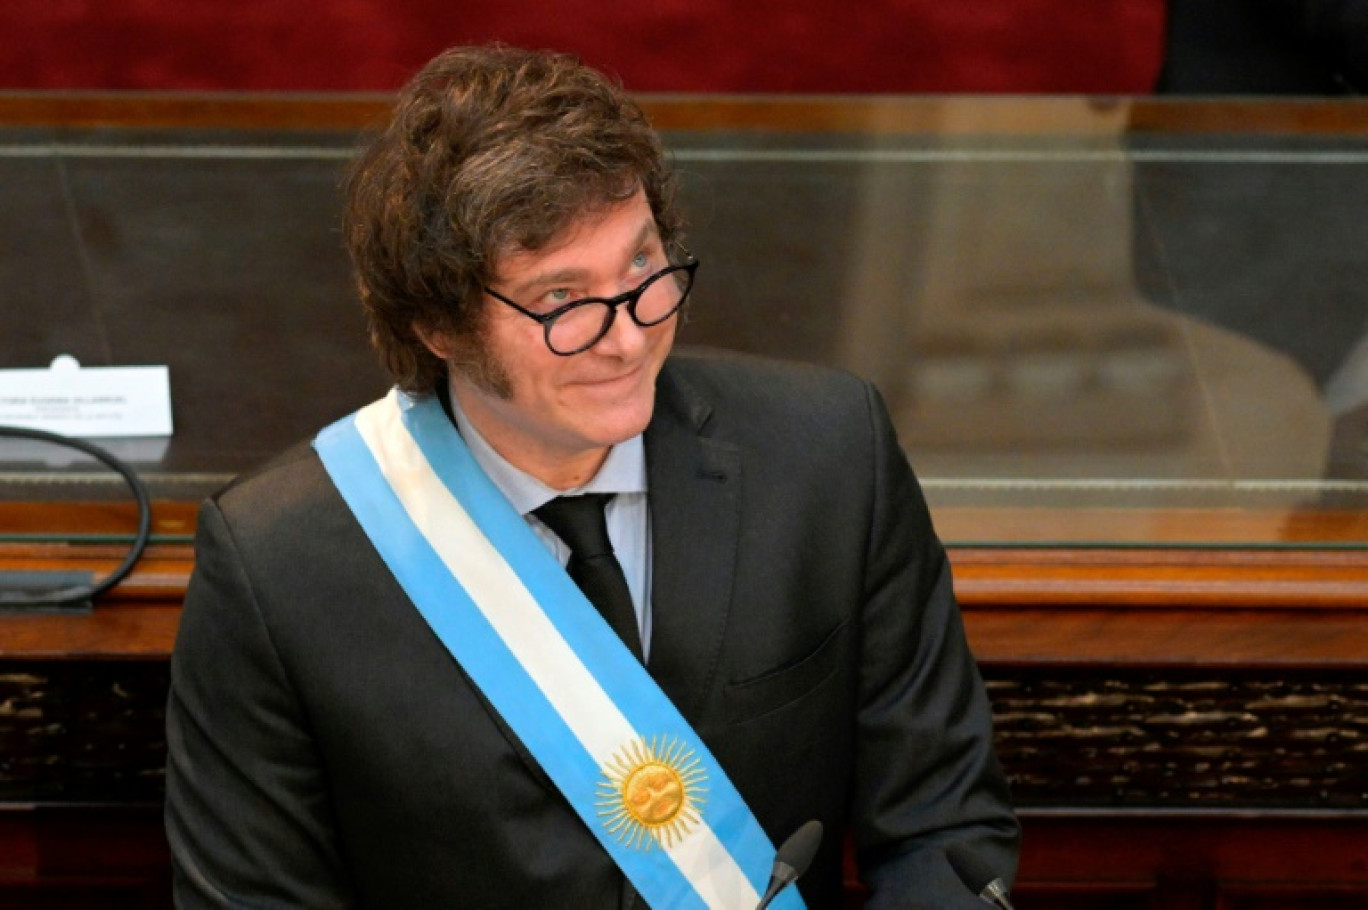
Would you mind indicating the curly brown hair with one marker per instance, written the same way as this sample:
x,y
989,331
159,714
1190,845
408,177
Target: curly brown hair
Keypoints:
x,y
490,150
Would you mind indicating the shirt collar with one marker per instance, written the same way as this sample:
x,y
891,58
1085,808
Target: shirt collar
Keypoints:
x,y
623,471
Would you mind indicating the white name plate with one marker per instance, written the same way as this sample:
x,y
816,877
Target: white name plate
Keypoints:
x,y
81,401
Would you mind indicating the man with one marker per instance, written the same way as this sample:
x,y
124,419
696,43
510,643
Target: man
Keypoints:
x,y
387,690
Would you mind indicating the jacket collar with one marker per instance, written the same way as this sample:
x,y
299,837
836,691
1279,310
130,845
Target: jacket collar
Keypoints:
x,y
695,496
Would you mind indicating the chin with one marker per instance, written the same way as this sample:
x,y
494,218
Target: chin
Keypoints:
x,y
619,426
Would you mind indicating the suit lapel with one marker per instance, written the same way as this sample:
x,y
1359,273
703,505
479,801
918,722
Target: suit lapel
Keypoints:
x,y
695,518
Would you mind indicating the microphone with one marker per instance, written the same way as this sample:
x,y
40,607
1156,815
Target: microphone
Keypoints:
x,y
792,860
978,876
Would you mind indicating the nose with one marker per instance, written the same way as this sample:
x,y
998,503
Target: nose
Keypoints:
x,y
624,337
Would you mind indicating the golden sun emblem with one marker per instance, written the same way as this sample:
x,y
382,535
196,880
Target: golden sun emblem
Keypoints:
x,y
651,792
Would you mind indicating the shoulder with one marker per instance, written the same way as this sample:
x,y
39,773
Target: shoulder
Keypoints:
x,y
288,473
741,383
290,491
793,418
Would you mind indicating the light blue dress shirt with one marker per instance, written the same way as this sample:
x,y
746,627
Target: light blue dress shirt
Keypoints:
x,y
629,521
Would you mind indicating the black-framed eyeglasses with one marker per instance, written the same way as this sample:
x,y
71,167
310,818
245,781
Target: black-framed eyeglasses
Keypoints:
x,y
579,324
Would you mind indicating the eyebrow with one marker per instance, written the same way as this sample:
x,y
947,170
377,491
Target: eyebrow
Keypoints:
x,y
573,274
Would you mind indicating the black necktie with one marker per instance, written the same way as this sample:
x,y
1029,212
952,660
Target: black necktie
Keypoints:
x,y
579,521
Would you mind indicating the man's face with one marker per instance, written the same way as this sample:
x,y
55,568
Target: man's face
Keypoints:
x,y
555,417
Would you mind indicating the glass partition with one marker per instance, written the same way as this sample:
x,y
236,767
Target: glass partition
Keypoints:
x,y
1095,322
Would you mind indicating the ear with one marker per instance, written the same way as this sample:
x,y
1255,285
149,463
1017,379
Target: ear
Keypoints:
x,y
436,342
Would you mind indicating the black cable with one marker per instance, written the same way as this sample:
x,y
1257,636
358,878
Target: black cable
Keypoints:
x,y
135,484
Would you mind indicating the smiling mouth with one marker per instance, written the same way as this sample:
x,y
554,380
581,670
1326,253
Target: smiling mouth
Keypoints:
x,y
621,378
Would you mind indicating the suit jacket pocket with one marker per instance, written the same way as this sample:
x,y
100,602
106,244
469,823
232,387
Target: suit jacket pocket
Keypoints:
x,y
747,699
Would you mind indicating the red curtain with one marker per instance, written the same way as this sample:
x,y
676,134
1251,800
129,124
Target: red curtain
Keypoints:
x,y
1042,46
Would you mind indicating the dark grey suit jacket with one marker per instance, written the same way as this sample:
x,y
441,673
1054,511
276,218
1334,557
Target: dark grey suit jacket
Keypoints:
x,y
326,751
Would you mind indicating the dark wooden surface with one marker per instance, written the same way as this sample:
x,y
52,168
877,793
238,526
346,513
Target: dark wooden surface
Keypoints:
x,y
82,858
79,857
1185,862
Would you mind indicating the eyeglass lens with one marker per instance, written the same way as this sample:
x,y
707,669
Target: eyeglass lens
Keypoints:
x,y
581,326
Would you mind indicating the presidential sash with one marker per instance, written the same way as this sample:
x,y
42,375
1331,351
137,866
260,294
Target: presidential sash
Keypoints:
x,y
638,775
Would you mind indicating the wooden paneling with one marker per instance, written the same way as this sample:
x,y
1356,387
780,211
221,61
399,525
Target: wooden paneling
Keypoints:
x,y
73,858
941,115
1141,606
1177,861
